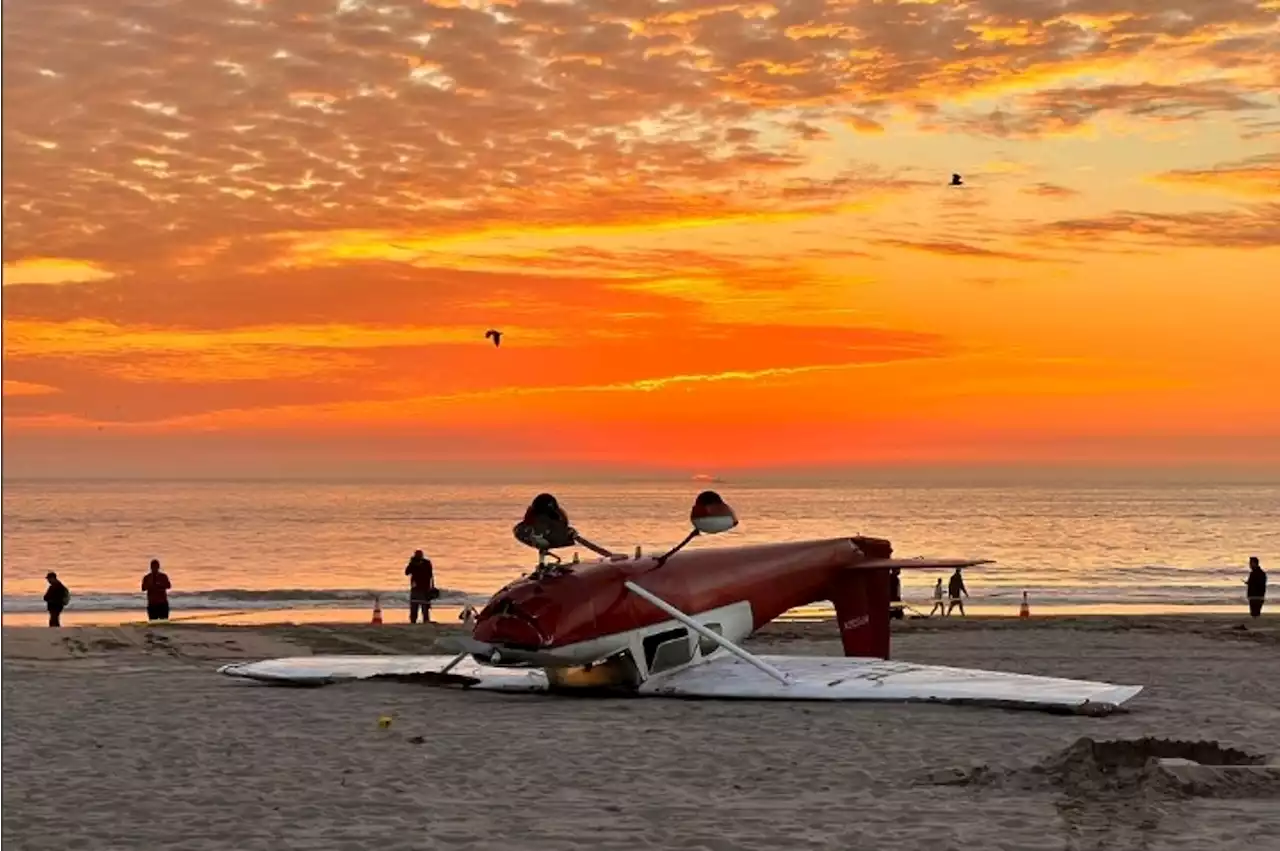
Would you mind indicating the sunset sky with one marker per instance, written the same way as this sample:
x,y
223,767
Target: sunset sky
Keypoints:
x,y
256,236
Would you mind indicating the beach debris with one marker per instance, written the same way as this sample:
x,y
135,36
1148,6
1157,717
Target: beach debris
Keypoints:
x,y
417,740
384,722
1148,766
377,612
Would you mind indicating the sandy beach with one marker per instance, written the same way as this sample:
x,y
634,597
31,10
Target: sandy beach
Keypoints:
x,y
125,737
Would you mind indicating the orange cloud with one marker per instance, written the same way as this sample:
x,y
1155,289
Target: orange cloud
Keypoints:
x,y
48,270
1050,190
1256,177
26,388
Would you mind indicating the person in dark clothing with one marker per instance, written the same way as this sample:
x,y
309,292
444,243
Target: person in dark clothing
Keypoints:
x,y
895,593
1256,587
56,598
954,589
422,586
157,585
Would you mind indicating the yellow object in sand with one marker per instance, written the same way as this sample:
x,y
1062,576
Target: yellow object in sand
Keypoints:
x,y
384,721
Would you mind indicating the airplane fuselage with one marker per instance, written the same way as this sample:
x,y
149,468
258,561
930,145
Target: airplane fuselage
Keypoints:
x,y
587,614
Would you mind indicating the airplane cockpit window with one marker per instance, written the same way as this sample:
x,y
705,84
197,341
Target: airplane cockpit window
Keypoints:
x,y
667,649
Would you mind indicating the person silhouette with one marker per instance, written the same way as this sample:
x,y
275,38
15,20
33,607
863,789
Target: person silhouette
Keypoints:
x,y
954,589
1256,587
56,598
157,585
422,586
938,605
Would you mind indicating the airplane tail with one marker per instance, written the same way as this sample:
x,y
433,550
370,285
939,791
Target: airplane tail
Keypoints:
x,y
860,594
861,600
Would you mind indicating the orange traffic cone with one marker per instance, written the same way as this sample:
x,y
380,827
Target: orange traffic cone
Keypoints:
x,y
1024,611
377,612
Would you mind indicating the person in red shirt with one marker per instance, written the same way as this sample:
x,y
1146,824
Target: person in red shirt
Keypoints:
x,y
157,586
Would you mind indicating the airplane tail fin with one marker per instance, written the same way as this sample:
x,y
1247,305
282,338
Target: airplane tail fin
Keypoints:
x,y
861,600
860,594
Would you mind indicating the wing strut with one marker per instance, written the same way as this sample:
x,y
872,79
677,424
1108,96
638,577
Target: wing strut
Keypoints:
x,y
707,633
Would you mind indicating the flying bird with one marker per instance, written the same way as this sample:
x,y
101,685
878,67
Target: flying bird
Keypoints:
x,y
956,181
495,335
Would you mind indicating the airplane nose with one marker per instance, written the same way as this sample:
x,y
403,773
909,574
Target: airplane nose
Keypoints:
x,y
509,631
506,622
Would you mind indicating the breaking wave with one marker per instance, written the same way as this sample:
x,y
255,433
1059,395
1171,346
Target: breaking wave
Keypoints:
x,y
241,598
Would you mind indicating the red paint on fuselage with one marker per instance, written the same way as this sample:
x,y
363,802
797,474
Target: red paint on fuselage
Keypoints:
x,y
591,602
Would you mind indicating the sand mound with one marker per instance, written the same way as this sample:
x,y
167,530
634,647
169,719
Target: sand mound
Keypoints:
x,y
1148,766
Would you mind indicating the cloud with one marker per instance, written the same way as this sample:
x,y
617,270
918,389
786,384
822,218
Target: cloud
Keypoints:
x,y
1255,227
962,249
25,388
50,270
1069,111
1050,190
1255,177
150,129
152,386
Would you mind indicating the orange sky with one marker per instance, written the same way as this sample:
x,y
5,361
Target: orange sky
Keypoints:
x,y
246,236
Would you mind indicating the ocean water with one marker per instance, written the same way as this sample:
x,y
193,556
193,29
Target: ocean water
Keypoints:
x,y
292,545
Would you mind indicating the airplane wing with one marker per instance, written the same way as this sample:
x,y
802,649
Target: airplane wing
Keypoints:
x,y
323,670
843,678
812,678
918,563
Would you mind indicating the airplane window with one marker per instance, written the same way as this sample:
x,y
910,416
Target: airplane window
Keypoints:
x,y
653,642
671,654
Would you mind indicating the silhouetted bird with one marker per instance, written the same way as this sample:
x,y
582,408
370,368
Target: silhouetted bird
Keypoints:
x,y
956,181
496,335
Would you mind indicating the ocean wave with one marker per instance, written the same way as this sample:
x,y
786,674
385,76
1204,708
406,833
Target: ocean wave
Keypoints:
x,y
347,598
242,598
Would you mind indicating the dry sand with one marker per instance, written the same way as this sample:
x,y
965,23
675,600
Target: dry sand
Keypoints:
x,y
121,738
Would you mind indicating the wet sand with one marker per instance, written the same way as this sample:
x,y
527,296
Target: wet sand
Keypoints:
x,y
124,737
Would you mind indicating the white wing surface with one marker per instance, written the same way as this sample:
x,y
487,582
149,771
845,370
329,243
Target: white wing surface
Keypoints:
x,y
843,678
322,670
725,676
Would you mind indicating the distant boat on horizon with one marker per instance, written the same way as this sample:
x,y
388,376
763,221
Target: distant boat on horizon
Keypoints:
x,y
708,478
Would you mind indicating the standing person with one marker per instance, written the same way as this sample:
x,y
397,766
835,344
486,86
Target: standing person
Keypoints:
x,y
895,594
157,586
1256,587
422,586
955,588
56,598
938,606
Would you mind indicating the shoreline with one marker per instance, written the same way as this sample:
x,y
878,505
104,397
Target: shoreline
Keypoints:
x,y
402,637
450,613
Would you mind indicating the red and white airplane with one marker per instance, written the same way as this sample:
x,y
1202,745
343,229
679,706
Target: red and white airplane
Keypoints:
x,y
671,625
